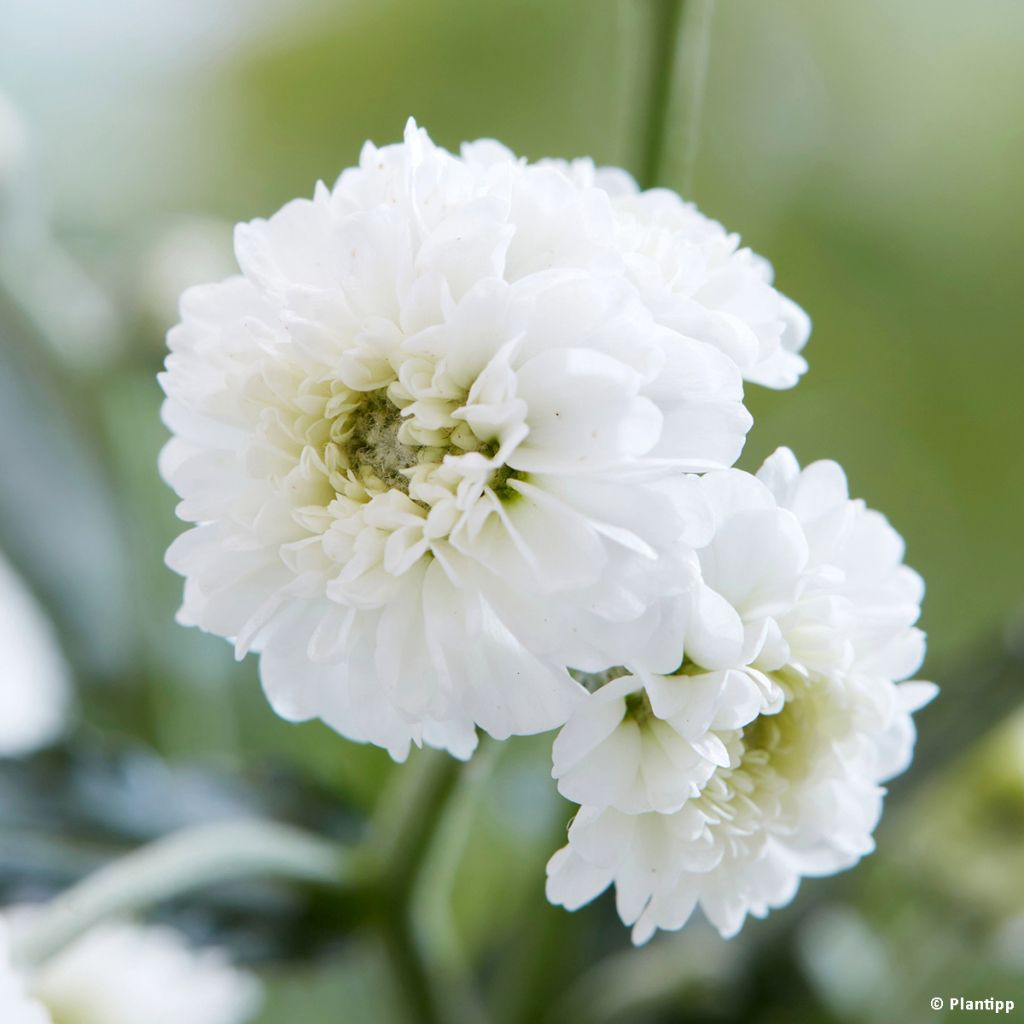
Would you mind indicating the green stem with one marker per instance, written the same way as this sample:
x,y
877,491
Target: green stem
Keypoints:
x,y
697,50
191,859
413,977
409,816
678,53
666,20
440,872
404,830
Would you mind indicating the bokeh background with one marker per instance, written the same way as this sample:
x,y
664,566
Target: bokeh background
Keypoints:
x,y
874,151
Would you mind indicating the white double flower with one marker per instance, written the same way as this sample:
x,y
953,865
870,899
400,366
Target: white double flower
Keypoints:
x,y
434,437
761,759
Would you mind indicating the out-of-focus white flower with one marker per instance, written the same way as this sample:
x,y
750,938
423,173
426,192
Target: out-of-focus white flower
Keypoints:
x,y
691,272
761,759
13,147
34,680
435,442
187,251
17,1006
120,973
83,327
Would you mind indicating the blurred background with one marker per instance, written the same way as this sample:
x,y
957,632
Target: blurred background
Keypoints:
x,y
873,151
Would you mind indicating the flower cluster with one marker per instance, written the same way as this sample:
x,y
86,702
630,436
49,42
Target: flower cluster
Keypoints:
x,y
761,758
457,446
121,973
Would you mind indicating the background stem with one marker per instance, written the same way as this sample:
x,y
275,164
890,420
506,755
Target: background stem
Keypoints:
x,y
680,43
410,814
403,833
188,860
666,20
696,50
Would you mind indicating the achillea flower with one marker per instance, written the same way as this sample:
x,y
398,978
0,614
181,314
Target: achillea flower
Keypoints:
x,y
17,1006
120,973
13,146
434,441
35,690
762,758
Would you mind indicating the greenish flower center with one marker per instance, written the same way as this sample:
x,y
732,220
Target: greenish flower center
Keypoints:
x,y
373,441
638,707
595,680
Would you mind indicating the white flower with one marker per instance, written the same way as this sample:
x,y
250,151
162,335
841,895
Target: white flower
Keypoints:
x,y
435,441
13,147
761,759
186,251
120,973
35,686
17,1006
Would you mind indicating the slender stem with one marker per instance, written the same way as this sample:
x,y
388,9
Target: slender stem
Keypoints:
x,y
440,871
403,832
697,50
188,860
413,976
666,20
432,902
408,819
678,53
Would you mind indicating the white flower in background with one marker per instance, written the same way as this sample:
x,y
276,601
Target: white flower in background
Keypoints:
x,y
762,758
120,973
435,442
690,271
184,252
34,684
13,148
16,1005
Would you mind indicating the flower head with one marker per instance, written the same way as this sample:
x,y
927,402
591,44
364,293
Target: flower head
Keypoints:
x,y
17,1006
13,148
35,691
761,758
434,441
120,973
